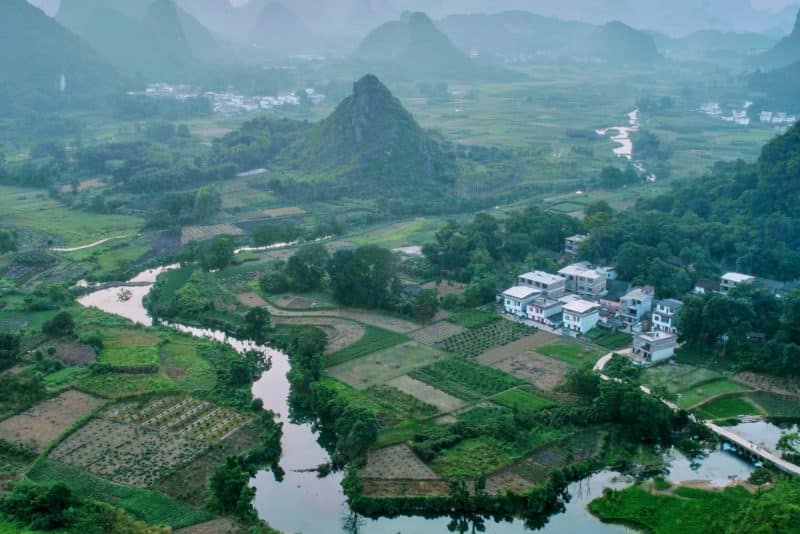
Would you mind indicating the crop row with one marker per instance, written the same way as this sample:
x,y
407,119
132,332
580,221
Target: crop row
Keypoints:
x,y
475,341
465,379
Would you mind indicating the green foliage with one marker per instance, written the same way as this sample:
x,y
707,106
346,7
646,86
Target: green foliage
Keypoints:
x,y
305,270
727,408
473,318
230,491
9,350
424,305
39,507
19,391
613,178
374,340
7,241
257,324
522,400
61,325
147,505
363,277
217,254
622,368
574,354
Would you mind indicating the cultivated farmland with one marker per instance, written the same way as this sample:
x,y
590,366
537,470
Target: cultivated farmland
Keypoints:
x,y
474,341
427,393
125,453
382,366
437,332
543,372
396,463
201,233
42,424
464,379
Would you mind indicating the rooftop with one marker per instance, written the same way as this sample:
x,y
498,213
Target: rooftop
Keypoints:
x,y
737,277
639,293
670,303
581,306
578,237
581,269
656,336
520,292
542,277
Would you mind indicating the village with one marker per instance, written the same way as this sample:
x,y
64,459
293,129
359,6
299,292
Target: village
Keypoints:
x,y
230,102
582,298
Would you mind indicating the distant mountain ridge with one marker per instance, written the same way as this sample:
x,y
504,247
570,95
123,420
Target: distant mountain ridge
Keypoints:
x,y
43,51
787,50
413,47
281,32
617,42
153,40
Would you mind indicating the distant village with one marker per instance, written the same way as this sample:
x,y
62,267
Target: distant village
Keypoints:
x,y
230,102
779,119
582,297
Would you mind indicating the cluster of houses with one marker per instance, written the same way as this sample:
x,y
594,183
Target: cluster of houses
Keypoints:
x,y
581,297
230,102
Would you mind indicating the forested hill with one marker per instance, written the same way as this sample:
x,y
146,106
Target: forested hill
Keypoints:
x,y
371,140
280,32
742,216
618,43
38,52
785,52
151,39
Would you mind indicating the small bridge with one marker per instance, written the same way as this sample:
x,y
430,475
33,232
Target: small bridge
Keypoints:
x,y
739,441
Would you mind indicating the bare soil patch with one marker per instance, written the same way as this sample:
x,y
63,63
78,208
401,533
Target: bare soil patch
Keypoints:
x,y
516,348
437,332
42,424
126,453
541,371
223,525
396,463
253,300
504,481
426,393
287,211
76,354
200,233
83,186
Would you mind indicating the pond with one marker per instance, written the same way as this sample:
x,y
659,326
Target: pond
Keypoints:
x,y
303,502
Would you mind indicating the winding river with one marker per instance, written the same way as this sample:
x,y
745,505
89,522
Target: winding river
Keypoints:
x,y
303,502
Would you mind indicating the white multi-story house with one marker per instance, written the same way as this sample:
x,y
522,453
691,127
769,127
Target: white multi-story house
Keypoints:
x,y
580,315
635,304
545,311
550,285
516,299
584,280
730,280
665,315
572,244
655,346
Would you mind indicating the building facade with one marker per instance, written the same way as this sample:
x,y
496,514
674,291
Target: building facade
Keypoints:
x,y
516,299
635,304
550,285
584,280
665,315
580,315
572,244
655,347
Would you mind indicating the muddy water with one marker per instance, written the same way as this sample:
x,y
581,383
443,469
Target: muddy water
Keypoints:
x,y
302,502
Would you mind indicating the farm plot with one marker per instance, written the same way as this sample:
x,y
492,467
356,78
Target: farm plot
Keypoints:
x,y
396,463
705,392
437,332
522,399
372,340
538,466
573,354
395,400
380,367
776,405
287,211
202,233
427,394
543,372
42,424
678,377
464,379
125,453
473,342
515,348
182,415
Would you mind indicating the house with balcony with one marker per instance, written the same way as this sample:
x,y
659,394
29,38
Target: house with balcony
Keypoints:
x,y
550,285
730,280
546,311
580,315
572,244
655,347
665,315
585,280
635,304
517,298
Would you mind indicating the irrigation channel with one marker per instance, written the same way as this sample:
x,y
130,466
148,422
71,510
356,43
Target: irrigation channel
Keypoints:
x,y
303,502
